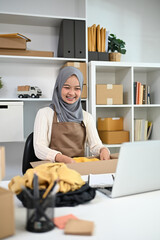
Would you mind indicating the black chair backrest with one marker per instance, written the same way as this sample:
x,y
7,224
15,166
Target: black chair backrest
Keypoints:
x,y
29,154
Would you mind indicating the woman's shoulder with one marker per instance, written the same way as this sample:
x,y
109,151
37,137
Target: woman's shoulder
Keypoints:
x,y
46,111
86,115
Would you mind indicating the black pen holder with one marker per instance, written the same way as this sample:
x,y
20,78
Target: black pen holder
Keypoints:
x,y
40,214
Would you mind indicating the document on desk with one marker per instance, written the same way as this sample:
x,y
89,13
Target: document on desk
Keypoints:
x,y
85,178
101,180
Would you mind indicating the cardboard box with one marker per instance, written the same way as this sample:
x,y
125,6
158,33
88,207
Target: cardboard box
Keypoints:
x,y
84,92
2,163
12,43
81,66
14,35
23,88
97,167
110,124
114,137
28,53
7,225
109,94
86,168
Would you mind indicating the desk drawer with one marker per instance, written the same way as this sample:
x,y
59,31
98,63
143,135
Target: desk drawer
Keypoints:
x,y
11,121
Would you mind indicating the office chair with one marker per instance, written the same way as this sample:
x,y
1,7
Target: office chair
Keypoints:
x,y
29,154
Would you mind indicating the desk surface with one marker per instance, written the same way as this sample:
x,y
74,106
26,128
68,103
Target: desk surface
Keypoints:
x,y
135,217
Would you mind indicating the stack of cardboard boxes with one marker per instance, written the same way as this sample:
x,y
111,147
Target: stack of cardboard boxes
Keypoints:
x,y
16,44
111,130
83,68
7,225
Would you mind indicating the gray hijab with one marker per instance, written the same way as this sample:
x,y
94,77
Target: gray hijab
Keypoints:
x,y
67,112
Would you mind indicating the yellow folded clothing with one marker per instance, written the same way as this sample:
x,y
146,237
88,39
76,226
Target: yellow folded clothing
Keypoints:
x,y
48,173
85,159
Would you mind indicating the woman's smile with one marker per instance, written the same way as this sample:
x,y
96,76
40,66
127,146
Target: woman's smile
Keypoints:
x,y
71,90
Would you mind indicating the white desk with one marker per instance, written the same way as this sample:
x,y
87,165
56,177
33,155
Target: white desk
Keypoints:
x,y
134,217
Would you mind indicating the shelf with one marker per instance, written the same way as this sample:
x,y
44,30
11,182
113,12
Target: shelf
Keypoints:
x,y
41,24
25,59
114,106
136,66
30,99
146,68
33,20
26,99
101,64
126,74
147,105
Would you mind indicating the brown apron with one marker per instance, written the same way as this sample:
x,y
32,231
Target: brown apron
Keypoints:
x,y
68,137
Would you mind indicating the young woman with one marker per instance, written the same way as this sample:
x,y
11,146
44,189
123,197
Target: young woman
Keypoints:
x,y
62,129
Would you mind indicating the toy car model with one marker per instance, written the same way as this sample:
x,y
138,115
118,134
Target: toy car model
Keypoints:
x,y
28,91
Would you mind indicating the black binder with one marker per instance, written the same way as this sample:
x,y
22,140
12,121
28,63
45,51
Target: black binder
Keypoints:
x,y
80,39
66,39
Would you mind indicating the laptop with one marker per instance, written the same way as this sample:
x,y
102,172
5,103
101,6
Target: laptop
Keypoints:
x,y
138,169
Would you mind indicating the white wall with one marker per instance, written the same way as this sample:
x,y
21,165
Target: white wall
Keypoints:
x,y
136,22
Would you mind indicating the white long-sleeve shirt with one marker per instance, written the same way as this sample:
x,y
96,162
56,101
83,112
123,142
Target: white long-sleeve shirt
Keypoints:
x,y
43,129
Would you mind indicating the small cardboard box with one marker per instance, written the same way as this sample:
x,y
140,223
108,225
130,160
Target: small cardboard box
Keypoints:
x,y
109,94
2,163
110,124
81,66
7,225
12,43
23,88
114,137
84,91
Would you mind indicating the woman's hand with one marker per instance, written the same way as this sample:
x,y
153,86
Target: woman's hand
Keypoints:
x,y
63,158
104,154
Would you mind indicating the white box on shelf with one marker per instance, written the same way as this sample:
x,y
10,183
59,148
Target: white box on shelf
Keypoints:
x,y
11,121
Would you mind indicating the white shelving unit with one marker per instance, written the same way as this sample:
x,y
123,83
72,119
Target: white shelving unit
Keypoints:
x,y
39,21
126,74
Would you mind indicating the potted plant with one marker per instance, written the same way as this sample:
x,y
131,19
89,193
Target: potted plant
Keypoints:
x,y
1,83
116,47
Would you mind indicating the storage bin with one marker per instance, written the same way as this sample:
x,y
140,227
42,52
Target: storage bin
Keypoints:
x,y
110,124
114,137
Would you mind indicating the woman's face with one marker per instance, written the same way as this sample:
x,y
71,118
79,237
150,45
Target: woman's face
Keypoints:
x,y
71,90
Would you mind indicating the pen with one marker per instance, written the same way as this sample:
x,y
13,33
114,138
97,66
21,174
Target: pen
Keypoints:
x,y
35,187
27,192
51,194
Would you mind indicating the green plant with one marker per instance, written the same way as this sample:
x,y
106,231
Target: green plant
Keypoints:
x,y
1,83
115,44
